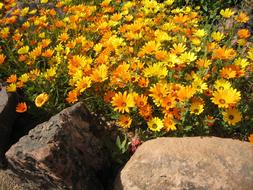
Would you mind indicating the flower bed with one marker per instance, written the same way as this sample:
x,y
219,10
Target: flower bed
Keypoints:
x,y
154,68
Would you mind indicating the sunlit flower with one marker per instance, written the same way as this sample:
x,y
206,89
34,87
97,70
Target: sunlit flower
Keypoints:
x,y
227,13
41,99
169,123
12,78
197,106
21,107
217,36
223,98
23,50
232,116
122,102
222,84
155,124
242,17
243,33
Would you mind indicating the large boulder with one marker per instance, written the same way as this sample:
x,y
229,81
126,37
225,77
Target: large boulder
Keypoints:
x,y
7,118
62,153
189,163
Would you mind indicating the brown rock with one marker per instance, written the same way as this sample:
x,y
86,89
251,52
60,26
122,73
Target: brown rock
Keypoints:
x,y
10,181
62,153
7,117
189,163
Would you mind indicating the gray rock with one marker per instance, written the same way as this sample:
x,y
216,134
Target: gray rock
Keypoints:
x,y
189,163
61,153
7,118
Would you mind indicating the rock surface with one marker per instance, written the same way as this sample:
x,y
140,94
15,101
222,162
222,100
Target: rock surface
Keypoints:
x,y
7,117
61,153
189,163
10,181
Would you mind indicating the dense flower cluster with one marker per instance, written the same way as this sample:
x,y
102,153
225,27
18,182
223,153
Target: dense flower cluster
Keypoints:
x,y
151,63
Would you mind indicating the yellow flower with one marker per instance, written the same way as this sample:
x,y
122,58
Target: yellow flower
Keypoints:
x,y
188,57
100,74
83,84
199,85
23,50
155,124
227,13
223,98
157,69
43,1
122,102
232,116
41,99
217,36
222,84
197,106
200,33
11,88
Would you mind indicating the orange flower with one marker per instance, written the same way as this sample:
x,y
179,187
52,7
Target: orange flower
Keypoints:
x,y
251,138
2,58
12,79
21,107
227,73
141,100
242,17
63,37
146,112
223,53
122,102
72,97
41,99
124,121
243,33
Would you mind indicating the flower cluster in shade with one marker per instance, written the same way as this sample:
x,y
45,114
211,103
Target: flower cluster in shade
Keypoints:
x,y
152,63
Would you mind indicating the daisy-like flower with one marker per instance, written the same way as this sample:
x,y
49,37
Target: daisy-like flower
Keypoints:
x,y
122,102
169,123
100,74
203,62
141,100
21,107
242,17
223,98
227,13
232,116
155,124
243,33
158,92
197,106
217,36
41,99
222,84
72,96
124,121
